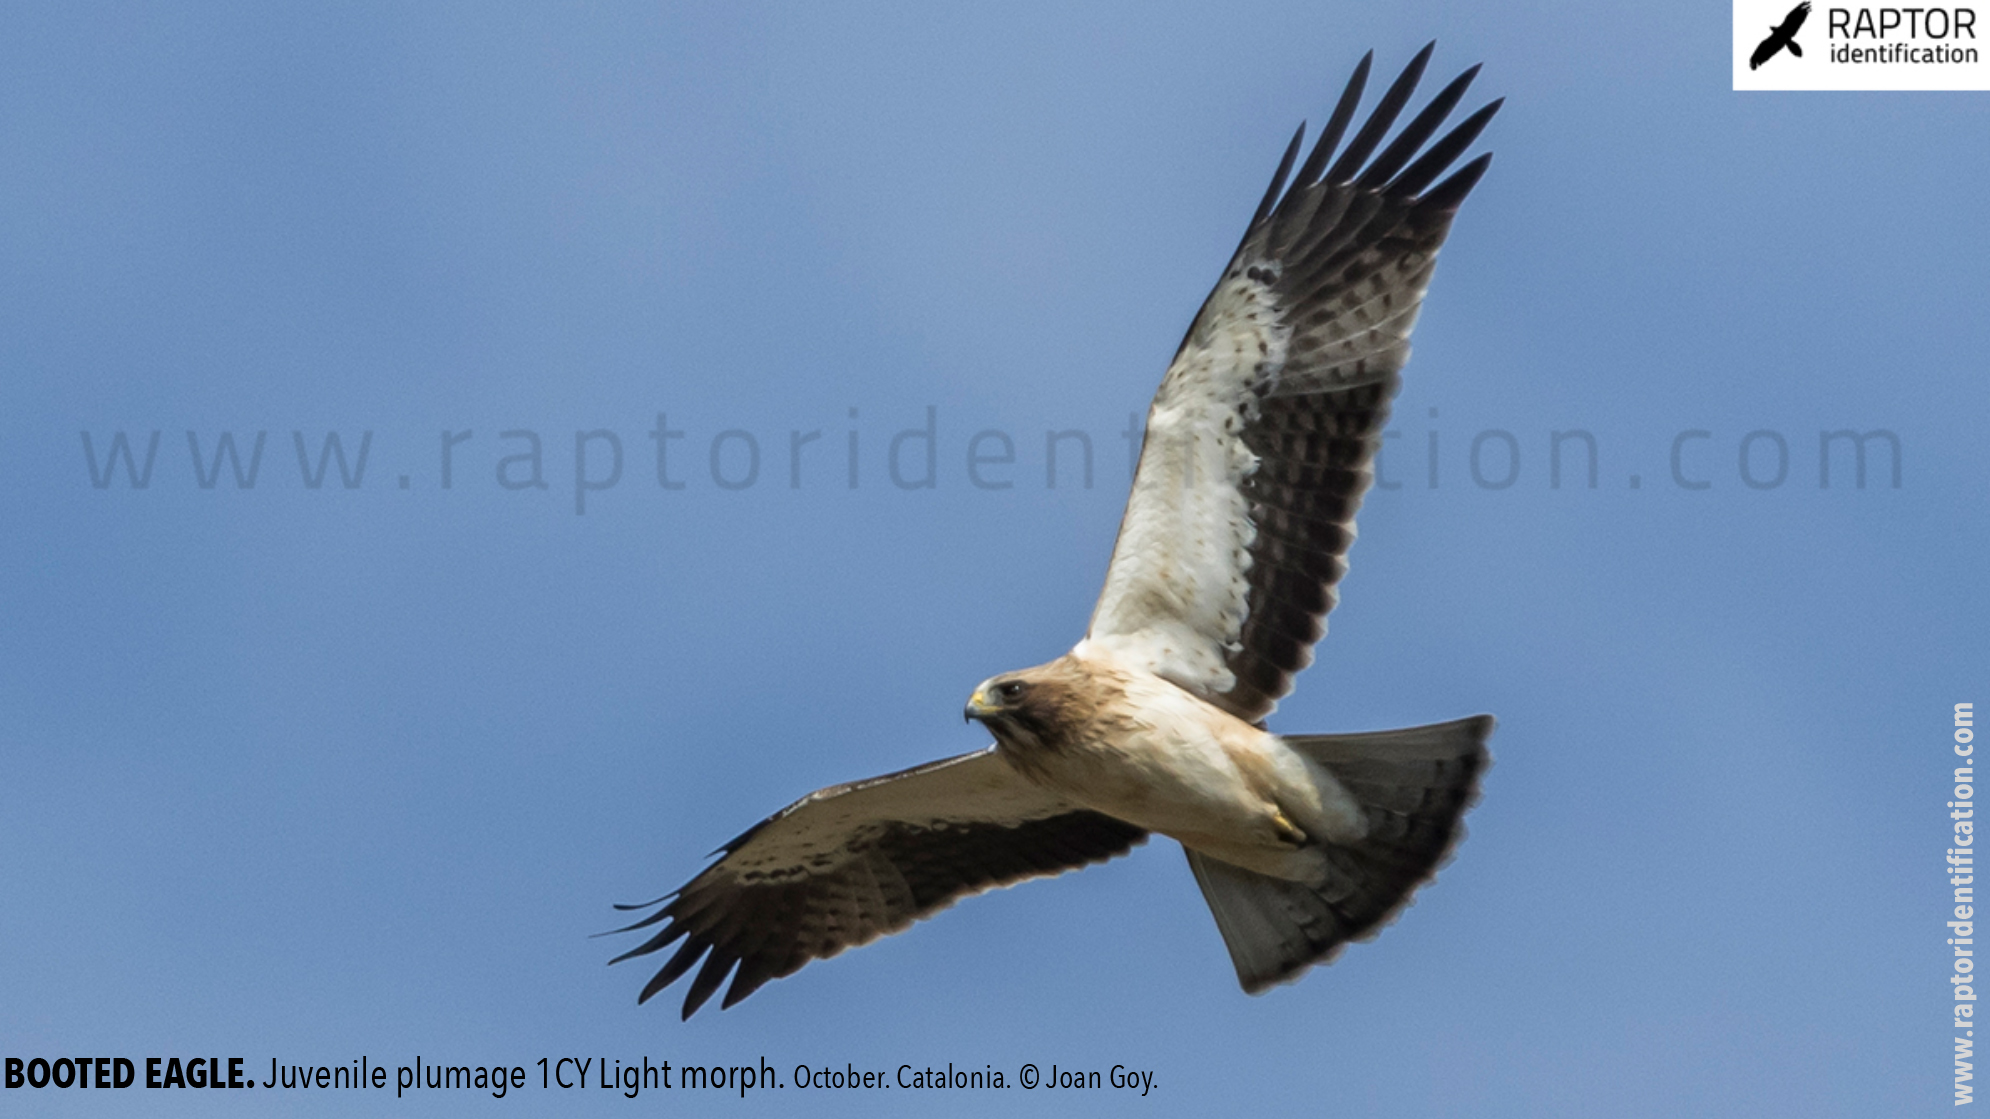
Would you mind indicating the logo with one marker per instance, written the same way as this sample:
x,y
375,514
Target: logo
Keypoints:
x,y
1781,36
1847,45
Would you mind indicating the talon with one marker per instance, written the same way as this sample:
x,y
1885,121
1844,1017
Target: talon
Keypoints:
x,y
1287,830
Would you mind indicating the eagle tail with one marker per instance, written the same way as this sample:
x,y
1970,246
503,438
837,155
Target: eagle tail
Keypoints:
x,y
1414,786
1792,47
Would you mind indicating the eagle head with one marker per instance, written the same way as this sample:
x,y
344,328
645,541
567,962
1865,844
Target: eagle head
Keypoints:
x,y
1003,699
1035,709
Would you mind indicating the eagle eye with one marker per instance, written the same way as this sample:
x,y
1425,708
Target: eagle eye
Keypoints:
x,y
1010,690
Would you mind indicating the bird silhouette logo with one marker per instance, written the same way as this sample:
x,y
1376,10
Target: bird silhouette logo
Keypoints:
x,y
1780,37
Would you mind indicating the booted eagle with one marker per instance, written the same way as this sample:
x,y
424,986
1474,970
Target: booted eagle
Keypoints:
x,y
1258,449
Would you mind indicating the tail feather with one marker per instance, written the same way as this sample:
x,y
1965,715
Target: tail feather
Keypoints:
x,y
1414,786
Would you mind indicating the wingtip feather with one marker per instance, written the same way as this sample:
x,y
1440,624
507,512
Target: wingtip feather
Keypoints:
x,y
1434,162
1277,179
717,966
1330,136
1447,196
1420,129
1385,114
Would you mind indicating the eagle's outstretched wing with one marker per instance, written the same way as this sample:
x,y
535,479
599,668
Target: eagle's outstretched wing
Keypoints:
x,y
1260,440
848,864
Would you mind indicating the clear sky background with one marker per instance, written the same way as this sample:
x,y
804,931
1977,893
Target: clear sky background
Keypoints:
x,y
320,773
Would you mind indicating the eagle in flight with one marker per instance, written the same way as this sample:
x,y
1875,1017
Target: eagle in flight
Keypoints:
x,y
1258,449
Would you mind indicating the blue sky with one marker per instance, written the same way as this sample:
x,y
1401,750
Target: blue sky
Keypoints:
x,y
315,773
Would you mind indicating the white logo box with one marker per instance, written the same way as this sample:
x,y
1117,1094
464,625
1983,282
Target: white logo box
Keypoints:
x,y
1858,46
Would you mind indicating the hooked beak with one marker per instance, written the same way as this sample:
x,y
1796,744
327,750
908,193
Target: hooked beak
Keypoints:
x,y
980,705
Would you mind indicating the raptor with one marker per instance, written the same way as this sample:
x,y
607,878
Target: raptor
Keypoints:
x,y
1259,446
